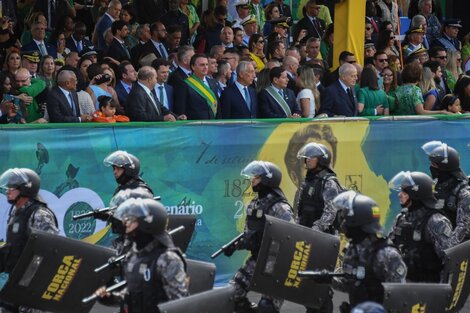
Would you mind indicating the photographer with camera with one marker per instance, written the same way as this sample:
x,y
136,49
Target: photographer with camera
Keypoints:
x,y
101,85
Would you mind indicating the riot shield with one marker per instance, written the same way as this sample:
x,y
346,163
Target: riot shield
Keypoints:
x,y
457,275
416,297
219,300
286,249
54,273
182,239
201,276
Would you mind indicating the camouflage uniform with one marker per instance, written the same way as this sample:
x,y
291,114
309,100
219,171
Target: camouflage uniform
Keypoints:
x,y
331,190
372,261
41,218
422,235
242,278
454,198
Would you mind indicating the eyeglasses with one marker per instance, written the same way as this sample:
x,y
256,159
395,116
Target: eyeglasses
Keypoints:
x,y
442,57
368,28
382,60
387,75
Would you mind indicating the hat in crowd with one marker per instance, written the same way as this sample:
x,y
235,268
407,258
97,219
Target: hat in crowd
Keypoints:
x,y
241,3
248,20
59,61
417,29
369,44
282,24
453,22
419,50
31,56
88,51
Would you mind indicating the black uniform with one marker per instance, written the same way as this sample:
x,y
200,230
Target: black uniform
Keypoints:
x,y
133,183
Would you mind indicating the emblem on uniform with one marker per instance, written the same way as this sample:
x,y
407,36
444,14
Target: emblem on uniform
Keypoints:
x,y
417,235
311,191
15,227
147,274
259,213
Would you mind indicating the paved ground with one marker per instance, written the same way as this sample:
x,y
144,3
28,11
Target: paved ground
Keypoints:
x,y
288,307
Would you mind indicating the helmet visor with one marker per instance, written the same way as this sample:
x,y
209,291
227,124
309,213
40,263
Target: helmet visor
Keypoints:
x,y
119,159
254,169
132,208
311,150
435,149
401,181
13,178
344,202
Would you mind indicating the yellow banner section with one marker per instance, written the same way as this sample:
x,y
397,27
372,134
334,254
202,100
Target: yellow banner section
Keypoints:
x,y
350,18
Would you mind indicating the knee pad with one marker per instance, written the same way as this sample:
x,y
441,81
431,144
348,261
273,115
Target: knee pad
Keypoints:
x,y
266,306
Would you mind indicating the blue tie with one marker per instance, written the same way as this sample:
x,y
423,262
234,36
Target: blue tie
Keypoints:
x,y
247,98
281,93
72,104
162,51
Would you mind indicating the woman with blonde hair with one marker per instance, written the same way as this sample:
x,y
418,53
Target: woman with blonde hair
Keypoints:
x,y
308,99
453,68
429,90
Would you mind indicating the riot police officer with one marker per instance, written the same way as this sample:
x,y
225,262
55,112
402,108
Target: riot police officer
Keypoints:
x,y
421,232
126,169
28,211
265,180
452,189
154,269
369,258
320,187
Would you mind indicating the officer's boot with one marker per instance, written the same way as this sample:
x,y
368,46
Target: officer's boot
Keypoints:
x,y
245,306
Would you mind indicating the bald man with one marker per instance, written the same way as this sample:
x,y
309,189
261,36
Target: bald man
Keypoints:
x,y
339,99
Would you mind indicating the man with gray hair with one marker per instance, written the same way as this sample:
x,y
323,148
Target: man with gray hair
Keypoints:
x,y
142,103
239,100
62,100
143,34
432,26
339,98
420,21
183,70
105,22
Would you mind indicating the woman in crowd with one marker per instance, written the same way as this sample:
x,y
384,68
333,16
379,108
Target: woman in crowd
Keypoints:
x,y
386,43
409,97
193,18
462,90
428,88
256,46
390,82
12,63
59,42
371,99
128,16
83,65
273,16
47,71
453,68
308,99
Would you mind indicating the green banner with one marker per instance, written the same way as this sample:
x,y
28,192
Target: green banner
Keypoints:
x,y
195,167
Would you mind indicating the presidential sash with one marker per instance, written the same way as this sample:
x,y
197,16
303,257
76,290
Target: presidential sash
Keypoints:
x,y
280,100
198,86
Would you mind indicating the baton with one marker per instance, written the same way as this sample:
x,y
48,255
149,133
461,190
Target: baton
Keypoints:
x,y
109,289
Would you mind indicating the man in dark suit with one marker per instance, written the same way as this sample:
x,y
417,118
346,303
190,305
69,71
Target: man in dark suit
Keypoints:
x,y
163,90
276,101
118,49
53,10
143,34
105,22
239,100
339,98
197,95
291,64
77,41
156,43
183,71
62,100
314,26
38,32
125,84
175,16
330,77
143,105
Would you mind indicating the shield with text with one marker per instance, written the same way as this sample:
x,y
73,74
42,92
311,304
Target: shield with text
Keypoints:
x,y
456,273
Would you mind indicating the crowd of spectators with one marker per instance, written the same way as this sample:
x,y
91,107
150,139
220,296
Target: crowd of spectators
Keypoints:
x,y
138,60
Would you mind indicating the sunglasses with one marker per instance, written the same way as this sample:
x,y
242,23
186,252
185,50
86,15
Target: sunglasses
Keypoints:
x,y
442,57
382,60
260,41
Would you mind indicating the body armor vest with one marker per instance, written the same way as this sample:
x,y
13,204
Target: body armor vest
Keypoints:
x,y
368,288
18,232
133,183
419,256
145,288
447,194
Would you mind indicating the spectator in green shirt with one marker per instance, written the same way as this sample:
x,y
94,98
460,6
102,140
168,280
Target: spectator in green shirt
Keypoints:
x,y
371,99
32,87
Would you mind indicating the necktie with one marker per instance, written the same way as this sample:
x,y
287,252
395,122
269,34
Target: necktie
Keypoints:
x,y
42,49
51,14
247,98
351,97
162,51
125,49
79,46
161,96
281,93
72,104
155,102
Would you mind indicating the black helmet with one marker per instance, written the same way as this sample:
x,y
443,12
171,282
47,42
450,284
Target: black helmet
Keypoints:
x,y
269,172
417,185
357,210
150,214
369,307
316,150
127,161
24,179
125,194
444,157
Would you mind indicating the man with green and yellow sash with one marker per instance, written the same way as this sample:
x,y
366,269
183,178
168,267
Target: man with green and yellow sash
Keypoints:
x,y
197,96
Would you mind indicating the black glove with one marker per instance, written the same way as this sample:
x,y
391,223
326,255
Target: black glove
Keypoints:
x,y
103,216
237,246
